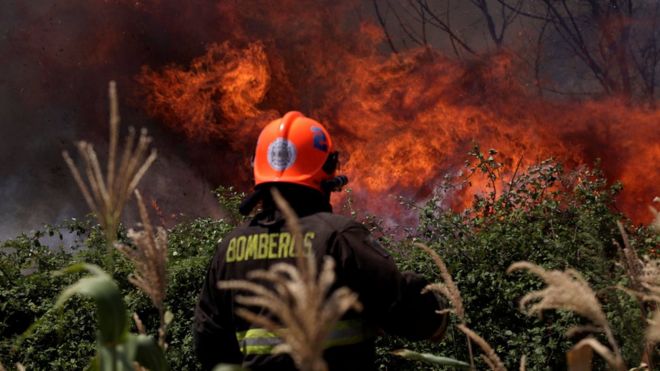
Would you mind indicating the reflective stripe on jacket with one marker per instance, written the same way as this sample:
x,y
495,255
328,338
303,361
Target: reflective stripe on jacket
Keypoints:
x,y
262,341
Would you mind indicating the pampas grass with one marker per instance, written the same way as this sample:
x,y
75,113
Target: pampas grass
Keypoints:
x,y
149,258
489,356
447,288
655,224
565,290
568,290
106,193
644,276
650,294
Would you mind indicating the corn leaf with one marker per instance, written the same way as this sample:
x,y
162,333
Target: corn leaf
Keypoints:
x,y
148,354
114,358
228,367
110,308
430,358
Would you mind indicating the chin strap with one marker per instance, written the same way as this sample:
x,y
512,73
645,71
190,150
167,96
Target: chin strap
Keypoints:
x,y
250,202
335,184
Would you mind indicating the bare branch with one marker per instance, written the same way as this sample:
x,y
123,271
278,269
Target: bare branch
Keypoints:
x,y
445,27
381,20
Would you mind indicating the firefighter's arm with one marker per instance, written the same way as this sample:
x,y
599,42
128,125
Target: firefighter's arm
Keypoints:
x,y
394,300
214,333
422,310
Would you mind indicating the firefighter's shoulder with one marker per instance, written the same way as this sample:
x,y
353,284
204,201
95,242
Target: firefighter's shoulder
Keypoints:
x,y
336,222
354,234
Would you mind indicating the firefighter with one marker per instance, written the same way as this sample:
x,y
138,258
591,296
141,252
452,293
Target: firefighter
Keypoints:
x,y
296,155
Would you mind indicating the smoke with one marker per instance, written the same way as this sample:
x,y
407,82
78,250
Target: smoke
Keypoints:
x,y
404,120
33,131
57,59
204,76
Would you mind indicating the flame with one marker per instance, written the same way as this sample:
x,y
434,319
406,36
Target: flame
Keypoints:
x,y
216,72
222,86
406,120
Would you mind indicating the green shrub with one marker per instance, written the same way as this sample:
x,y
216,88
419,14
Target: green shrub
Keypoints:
x,y
28,291
548,216
191,247
65,339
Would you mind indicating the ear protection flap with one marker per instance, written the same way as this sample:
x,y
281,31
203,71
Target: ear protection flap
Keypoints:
x,y
331,163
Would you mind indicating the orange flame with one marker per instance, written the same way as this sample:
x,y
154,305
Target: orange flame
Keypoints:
x,y
404,121
224,84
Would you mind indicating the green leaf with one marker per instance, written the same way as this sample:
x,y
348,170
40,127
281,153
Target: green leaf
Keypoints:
x,y
148,354
94,365
228,367
168,317
119,358
430,358
110,308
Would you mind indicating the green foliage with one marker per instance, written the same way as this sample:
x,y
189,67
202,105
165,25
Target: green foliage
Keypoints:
x,y
430,358
199,237
28,291
65,339
546,216
110,309
230,199
191,247
117,349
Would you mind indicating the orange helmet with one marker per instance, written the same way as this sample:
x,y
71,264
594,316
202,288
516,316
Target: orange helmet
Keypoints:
x,y
295,149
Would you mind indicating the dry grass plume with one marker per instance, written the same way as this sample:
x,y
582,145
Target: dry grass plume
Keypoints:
x,y
650,281
655,224
447,288
644,276
489,356
568,290
149,259
106,192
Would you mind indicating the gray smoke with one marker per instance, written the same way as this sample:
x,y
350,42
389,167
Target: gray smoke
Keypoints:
x,y
53,91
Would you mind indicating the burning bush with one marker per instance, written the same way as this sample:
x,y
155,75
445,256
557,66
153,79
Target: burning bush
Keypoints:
x,y
559,219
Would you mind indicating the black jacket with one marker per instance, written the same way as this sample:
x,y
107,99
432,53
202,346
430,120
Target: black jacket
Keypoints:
x,y
392,300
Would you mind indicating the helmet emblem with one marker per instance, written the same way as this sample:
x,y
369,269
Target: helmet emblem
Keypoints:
x,y
281,154
320,141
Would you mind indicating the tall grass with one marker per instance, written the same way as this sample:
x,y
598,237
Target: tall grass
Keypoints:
x,y
149,257
107,193
568,290
449,289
